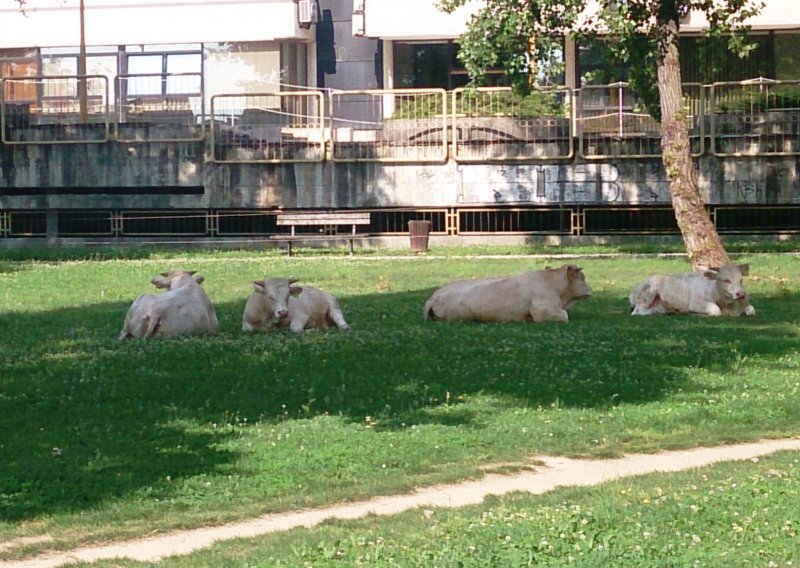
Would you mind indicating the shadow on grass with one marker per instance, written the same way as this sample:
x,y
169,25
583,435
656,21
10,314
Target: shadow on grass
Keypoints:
x,y
87,418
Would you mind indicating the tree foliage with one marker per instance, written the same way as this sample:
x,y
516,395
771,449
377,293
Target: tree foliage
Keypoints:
x,y
500,34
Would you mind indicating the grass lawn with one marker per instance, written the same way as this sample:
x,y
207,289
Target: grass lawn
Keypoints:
x,y
105,439
733,514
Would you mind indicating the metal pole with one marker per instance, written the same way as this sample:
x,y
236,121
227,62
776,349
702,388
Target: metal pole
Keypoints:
x,y
82,91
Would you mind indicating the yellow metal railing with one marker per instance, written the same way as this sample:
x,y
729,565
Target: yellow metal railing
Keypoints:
x,y
612,122
56,103
280,127
494,124
397,125
759,117
159,107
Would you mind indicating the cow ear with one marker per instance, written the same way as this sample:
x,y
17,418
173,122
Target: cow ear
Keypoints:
x,y
711,273
191,272
293,280
744,269
160,282
164,274
259,285
199,278
295,290
572,271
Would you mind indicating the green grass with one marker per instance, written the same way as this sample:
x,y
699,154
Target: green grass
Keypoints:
x,y
105,439
737,514
620,245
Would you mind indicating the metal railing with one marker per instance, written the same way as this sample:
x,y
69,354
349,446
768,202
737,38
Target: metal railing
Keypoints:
x,y
759,117
276,127
515,220
612,123
159,107
495,124
36,110
398,125
565,219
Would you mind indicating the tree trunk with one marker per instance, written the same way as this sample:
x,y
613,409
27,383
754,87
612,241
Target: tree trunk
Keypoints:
x,y
702,241
532,61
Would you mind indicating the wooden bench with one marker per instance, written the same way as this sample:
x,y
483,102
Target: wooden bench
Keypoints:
x,y
322,219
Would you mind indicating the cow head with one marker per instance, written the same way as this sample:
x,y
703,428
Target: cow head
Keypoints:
x,y
176,279
576,282
728,281
276,292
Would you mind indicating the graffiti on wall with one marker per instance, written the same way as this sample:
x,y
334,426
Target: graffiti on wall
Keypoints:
x,y
582,183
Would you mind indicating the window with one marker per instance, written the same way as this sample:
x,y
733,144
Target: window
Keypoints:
x,y
100,60
708,60
424,66
704,60
598,66
787,56
19,63
436,65
164,73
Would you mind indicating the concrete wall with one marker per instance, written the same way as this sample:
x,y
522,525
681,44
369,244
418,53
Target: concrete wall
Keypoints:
x,y
179,175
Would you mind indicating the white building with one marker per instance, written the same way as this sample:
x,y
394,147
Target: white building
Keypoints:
x,y
227,46
236,46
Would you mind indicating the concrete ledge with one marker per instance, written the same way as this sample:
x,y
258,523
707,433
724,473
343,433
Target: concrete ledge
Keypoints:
x,y
365,243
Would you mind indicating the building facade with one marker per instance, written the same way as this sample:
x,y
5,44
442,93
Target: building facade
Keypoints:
x,y
147,128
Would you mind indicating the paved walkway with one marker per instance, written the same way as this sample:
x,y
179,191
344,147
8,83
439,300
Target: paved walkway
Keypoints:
x,y
552,474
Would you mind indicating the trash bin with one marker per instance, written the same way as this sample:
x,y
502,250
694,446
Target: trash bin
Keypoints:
x,y
419,231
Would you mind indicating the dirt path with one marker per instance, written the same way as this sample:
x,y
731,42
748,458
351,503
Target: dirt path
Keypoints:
x,y
554,473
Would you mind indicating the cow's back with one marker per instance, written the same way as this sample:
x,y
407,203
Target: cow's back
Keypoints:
x,y
484,299
679,292
256,315
185,311
138,316
319,306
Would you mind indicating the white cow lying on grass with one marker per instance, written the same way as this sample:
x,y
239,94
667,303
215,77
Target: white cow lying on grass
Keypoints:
x,y
712,292
539,295
183,310
275,302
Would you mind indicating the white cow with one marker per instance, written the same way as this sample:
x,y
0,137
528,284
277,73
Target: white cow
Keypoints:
x,y
539,295
183,310
275,302
712,292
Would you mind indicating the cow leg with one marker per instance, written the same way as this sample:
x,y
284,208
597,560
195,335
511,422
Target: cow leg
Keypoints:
x,y
298,323
707,309
151,325
548,308
549,314
337,317
749,310
647,305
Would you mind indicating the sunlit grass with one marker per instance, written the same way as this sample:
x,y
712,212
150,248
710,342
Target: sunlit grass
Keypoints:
x,y
731,514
